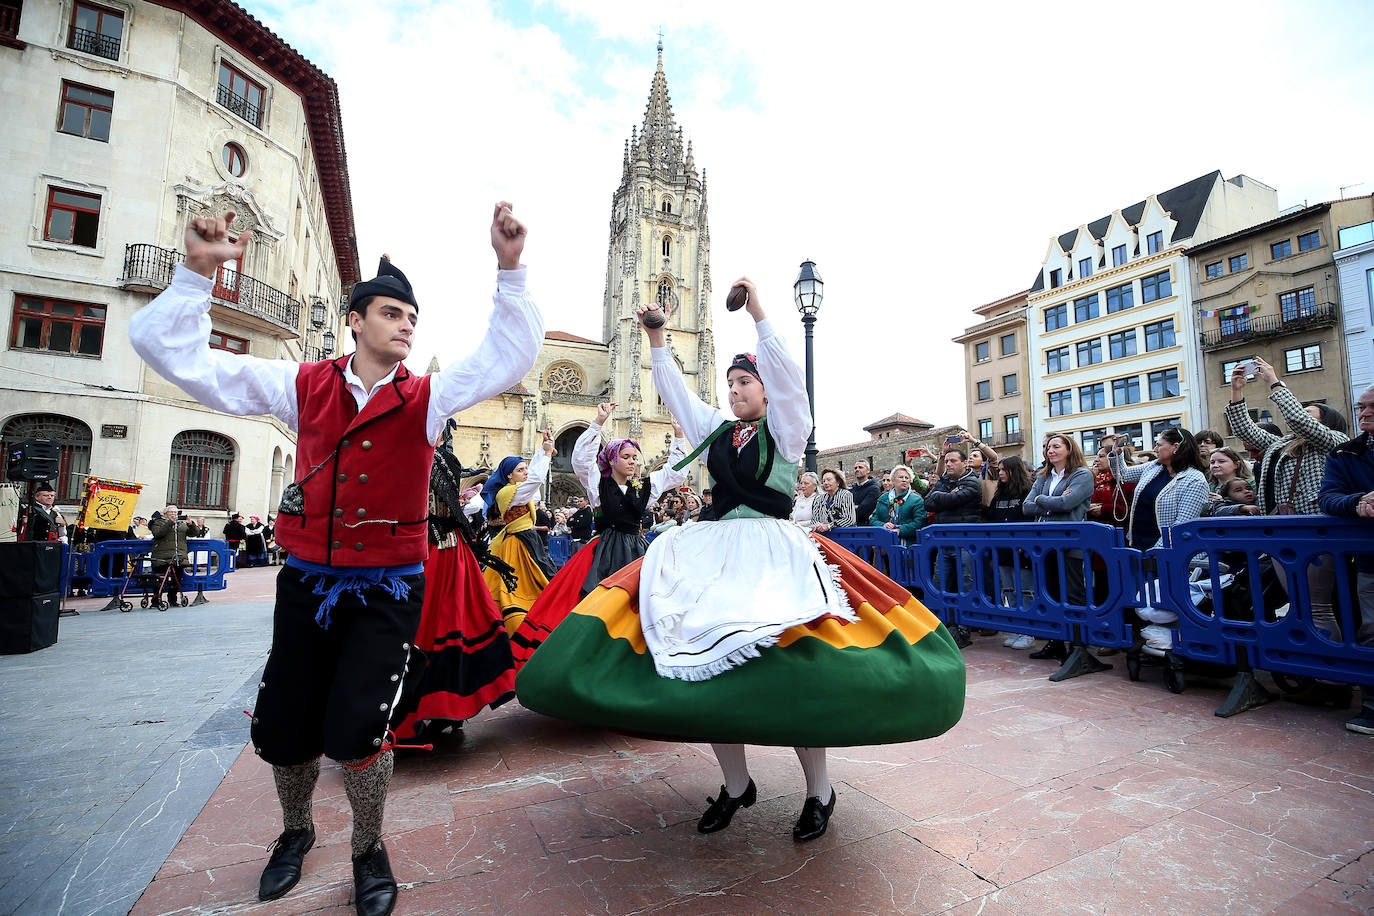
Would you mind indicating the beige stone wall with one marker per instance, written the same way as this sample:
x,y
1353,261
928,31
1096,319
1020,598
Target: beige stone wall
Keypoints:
x,y
1261,284
162,163
999,405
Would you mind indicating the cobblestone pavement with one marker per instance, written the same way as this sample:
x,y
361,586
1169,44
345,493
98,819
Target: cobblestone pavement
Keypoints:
x,y
1096,795
114,739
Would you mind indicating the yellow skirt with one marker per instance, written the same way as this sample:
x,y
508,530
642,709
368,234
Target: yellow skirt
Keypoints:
x,y
531,582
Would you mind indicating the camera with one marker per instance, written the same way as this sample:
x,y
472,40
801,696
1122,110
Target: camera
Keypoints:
x,y
1250,368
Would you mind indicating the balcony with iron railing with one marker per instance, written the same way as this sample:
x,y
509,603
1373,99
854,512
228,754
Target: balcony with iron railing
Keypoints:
x,y
1005,439
149,269
1290,321
106,46
239,105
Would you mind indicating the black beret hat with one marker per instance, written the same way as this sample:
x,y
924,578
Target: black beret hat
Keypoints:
x,y
44,487
388,282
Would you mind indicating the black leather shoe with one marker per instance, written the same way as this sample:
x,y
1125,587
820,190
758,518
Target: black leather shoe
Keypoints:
x,y
284,865
962,638
1055,649
815,817
717,817
374,887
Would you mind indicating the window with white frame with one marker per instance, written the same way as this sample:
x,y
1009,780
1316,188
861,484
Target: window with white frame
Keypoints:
x,y
1299,358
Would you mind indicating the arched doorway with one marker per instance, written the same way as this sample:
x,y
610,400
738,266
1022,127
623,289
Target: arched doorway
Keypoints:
x,y
563,483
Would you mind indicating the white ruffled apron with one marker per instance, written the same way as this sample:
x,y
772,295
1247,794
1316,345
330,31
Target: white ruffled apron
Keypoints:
x,y
712,595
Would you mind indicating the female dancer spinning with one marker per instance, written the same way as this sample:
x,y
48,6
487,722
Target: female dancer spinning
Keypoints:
x,y
618,497
512,490
467,651
744,628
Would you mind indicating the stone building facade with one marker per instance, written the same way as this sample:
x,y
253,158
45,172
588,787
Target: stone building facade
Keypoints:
x,y
659,250
125,119
997,372
895,439
1271,290
1111,319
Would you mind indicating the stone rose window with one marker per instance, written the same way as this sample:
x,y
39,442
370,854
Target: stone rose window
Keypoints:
x,y
564,378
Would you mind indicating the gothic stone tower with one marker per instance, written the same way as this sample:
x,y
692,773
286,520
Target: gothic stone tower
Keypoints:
x,y
660,250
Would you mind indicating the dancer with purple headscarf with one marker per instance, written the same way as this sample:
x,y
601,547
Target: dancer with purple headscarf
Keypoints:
x,y
619,493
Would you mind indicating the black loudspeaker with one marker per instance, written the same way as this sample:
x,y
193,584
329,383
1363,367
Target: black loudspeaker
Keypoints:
x,y
32,459
29,568
28,624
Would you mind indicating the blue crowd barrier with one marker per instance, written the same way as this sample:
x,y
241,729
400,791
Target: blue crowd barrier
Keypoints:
x,y
560,549
880,548
210,561
1221,558
1036,555
109,564
1250,635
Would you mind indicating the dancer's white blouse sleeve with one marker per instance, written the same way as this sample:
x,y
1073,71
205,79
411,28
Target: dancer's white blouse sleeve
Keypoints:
x,y
539,472
789,410
515,332
172,334
665,478
695,416
584,463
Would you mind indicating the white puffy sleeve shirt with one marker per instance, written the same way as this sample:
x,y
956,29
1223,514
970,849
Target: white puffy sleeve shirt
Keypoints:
x,y
789,411
172,334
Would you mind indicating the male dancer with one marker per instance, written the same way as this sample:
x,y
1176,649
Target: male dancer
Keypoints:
x,y
354,523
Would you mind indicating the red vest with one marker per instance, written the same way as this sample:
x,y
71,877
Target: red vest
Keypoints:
x,y
368,504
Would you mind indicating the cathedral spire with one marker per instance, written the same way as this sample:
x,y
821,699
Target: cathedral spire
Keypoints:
x,y
659,136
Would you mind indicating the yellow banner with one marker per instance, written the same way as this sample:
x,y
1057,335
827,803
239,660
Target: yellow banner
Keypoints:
x,y
109,504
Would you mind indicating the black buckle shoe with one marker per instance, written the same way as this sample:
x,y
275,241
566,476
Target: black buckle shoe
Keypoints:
x,y
962,638
374,887
1054,649
284,865
815,817
717,817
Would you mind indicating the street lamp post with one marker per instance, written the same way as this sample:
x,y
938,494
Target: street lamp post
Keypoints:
x,y
807,292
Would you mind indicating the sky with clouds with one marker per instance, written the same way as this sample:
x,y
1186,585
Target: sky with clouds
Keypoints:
x,y
921,155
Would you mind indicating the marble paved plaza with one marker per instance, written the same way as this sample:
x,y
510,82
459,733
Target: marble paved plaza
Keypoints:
x,y
1095,795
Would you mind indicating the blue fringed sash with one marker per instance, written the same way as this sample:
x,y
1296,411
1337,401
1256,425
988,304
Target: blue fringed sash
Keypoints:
x,y
336,581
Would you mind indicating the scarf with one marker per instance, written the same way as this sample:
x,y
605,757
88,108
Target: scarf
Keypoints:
x,y
498,480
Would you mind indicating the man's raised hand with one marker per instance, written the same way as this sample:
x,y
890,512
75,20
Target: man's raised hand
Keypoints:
x,y
208,244
507,236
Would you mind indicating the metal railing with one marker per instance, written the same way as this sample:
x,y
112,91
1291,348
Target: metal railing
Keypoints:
x,y
239,105
1270,326
153,267
94,43
1008,439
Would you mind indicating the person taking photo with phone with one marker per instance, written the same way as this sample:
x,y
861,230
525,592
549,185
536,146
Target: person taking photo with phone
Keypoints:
x,y
1290,470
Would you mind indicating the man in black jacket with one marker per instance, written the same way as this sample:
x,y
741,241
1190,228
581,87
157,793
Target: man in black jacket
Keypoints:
x,y
580,522
956,497
865,492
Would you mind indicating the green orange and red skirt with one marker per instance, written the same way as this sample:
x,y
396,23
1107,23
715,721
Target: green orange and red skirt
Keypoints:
x,y
893,674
